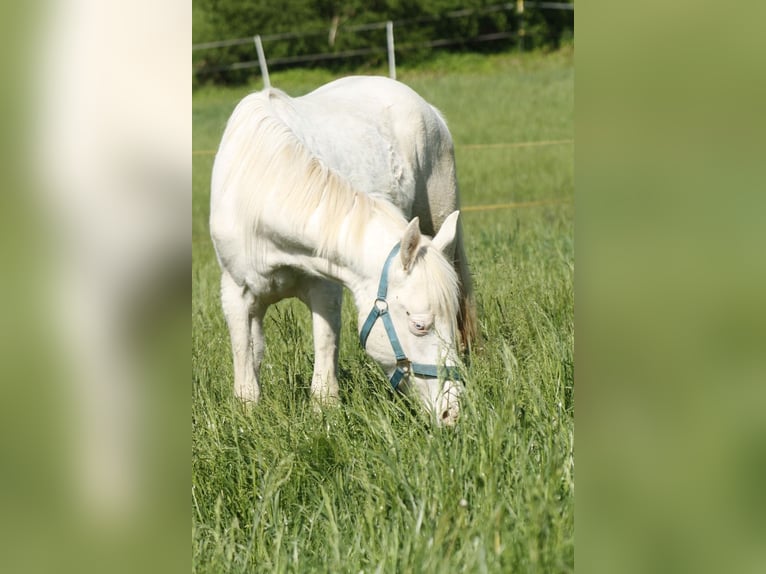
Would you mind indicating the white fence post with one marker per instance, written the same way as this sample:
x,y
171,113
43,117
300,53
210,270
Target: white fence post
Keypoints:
x,y
262,61
391,55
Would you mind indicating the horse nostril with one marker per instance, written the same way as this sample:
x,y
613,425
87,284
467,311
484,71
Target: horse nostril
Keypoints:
x,y
449,417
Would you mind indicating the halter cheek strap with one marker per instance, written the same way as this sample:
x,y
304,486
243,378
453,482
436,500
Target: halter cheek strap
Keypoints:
x,y
380,311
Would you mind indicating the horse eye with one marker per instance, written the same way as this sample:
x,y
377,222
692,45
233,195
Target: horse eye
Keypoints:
x,y
420,325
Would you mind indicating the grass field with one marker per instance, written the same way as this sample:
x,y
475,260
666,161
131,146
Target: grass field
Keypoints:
x,y
368,486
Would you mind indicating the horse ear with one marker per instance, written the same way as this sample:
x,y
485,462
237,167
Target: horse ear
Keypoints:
x,y
445,239
410,242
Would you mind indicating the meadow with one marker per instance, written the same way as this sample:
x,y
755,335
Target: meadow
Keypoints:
x,y
369,486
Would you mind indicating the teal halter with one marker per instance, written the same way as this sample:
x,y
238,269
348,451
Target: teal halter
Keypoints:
x,y
403,365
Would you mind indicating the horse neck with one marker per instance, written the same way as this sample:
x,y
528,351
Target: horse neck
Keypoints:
x,y
358,267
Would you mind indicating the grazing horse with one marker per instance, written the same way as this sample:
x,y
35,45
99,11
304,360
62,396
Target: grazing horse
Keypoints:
x,y
345,187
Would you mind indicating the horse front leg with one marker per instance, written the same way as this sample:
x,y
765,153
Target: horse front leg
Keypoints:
x,y
244,317
325,299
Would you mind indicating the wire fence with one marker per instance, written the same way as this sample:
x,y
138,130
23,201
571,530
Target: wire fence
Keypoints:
x,y
496,206
519,8
498,145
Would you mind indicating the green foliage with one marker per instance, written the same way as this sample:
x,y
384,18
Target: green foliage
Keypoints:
x,y
368,486
326,27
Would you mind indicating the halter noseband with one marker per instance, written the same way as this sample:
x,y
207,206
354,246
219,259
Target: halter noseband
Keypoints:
x,y
403,365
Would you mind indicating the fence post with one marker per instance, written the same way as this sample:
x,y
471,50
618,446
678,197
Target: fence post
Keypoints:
x,y
391,55
522,31
262,61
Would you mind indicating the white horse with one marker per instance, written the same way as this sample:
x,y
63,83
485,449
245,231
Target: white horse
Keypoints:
x,y
314,193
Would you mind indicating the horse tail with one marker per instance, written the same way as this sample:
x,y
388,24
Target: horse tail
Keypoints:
x,y
467,319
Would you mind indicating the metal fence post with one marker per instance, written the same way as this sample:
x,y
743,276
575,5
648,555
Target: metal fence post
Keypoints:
x,y
262,61
391,55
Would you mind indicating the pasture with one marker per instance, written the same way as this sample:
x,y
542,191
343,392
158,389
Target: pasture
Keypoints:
x,y
369,486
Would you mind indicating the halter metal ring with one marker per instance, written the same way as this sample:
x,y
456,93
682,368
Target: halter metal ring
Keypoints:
x,y
404,365
381,305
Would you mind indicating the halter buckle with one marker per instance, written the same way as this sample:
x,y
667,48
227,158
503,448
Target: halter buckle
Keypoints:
x,y
404,366
381,305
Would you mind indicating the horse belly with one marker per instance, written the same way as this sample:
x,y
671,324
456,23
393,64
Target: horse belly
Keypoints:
x,y
280,283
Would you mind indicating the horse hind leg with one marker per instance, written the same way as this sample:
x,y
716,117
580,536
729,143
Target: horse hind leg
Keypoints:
x,y
244,317
325,299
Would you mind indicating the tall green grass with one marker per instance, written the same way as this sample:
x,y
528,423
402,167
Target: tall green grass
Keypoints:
x,y
370,486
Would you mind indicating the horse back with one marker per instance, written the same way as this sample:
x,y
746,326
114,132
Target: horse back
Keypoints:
x,y
384,139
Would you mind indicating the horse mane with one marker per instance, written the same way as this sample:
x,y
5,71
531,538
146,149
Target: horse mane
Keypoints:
x,y
280,183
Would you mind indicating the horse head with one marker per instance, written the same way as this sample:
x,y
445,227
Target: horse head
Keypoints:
x,y
411,329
